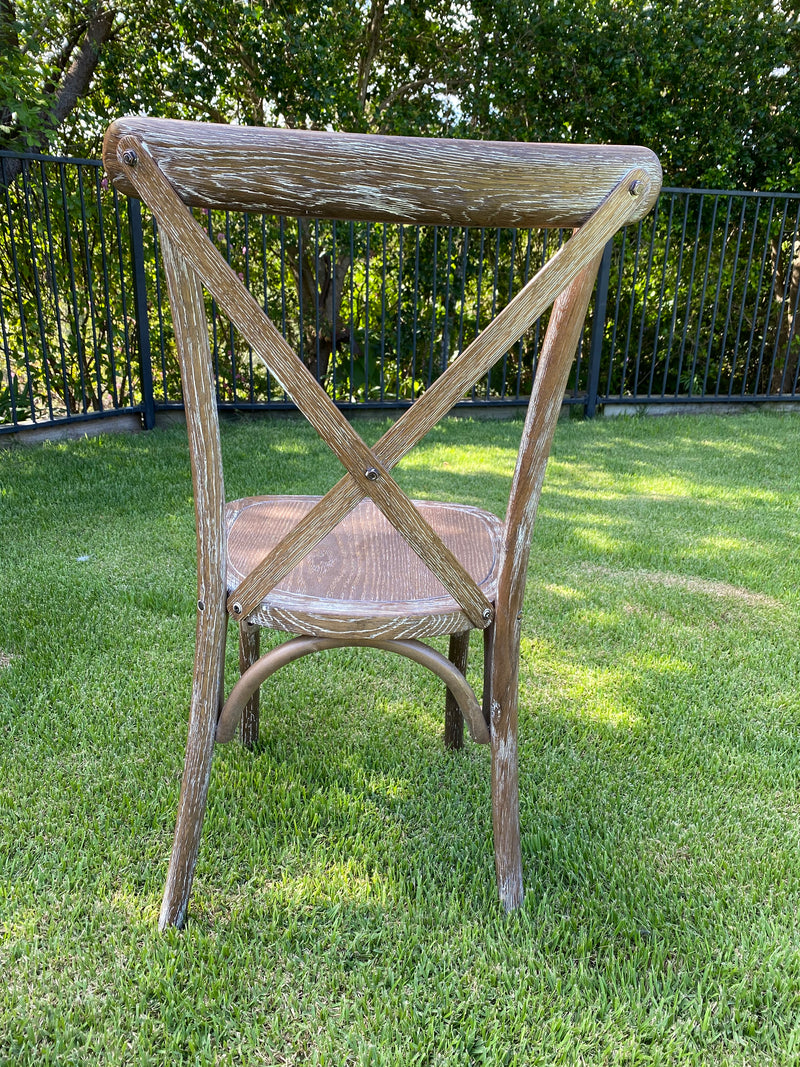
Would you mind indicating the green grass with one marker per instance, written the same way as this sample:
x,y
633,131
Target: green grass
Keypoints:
x,y
344,907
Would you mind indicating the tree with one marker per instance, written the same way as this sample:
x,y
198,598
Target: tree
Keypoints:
x,y
389,66
705,83
708,84
316,64
41,86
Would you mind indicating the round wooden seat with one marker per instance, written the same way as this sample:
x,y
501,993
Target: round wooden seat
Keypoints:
x,y
363,576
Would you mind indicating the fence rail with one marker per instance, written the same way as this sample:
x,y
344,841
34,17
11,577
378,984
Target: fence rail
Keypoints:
x,y
697,303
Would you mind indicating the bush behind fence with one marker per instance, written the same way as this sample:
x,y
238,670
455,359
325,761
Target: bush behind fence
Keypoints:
x,y
697,303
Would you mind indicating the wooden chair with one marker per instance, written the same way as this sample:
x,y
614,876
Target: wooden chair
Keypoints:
x,y
364,565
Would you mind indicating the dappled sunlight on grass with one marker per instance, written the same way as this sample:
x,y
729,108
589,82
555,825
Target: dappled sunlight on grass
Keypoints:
x,y
594,538
563,592
340,883
464,459
555,679
634,578
726,543
344,908
135,909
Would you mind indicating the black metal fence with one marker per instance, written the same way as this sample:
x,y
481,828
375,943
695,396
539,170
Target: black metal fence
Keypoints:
x,y
697,303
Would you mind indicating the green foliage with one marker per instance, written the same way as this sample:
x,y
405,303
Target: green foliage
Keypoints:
x,y
23,74
14,404
707,289
709,86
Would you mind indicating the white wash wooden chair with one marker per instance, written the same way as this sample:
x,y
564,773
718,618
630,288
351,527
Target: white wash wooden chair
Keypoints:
x,y
364,565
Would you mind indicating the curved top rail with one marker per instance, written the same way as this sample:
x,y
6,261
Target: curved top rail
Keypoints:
x,y
411,180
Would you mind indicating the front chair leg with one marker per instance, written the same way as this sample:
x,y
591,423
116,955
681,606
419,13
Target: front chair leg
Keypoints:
x,y
204,711
505,767
453,719
249,649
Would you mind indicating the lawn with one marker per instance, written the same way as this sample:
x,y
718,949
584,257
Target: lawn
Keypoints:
x,y
344,908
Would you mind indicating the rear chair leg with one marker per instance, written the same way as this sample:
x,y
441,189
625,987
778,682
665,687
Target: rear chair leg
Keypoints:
x,y
249,649
453,719
207,688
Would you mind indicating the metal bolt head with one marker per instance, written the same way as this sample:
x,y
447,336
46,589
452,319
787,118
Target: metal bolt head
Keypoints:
x,y
129,157
371,474
487,614
635,188
237,608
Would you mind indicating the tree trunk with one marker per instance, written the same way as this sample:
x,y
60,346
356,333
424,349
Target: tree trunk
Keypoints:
x,y
74,84
320,284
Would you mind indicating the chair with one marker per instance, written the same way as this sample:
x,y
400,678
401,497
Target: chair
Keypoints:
x,y
364,565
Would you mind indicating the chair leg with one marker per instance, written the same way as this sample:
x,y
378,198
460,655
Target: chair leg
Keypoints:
x,y
249,649
207,689
453,719
505,766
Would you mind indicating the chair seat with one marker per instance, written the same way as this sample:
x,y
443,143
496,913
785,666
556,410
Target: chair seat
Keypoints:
x,y
363,577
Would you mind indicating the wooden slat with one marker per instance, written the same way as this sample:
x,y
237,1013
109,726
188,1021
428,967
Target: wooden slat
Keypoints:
x,y
205,451
249,652
508,326
385,179
378,626
371,476
458,654
472,364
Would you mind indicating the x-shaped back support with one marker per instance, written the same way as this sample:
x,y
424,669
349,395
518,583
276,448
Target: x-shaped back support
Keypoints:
x,y
368,468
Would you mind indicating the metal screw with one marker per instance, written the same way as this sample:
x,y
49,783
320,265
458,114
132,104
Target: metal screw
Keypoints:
x,y
635,187
371,473
201,606
129,157
237,608
487,614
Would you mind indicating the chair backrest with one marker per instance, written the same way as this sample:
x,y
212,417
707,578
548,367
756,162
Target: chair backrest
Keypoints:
x,y
171,165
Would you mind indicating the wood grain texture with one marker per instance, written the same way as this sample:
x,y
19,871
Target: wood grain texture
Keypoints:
x,y
249,652
372,477
376,627
385,179
474,362
362,577
364,565
304,646
363,561
197,378
488,662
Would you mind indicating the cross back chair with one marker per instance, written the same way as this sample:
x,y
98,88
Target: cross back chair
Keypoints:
x,y
364,565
